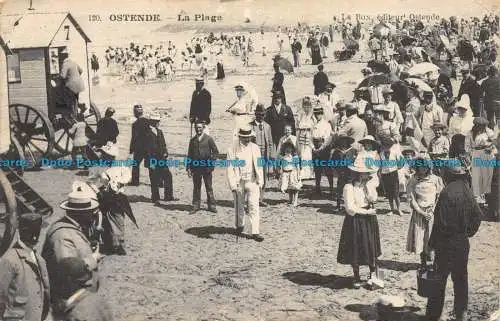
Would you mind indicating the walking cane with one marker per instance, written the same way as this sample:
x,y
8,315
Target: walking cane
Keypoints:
x,y
236,205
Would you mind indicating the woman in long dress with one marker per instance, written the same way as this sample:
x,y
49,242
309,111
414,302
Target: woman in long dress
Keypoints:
x,y
360,238
304,136
423,189
481,147
462,120
315,52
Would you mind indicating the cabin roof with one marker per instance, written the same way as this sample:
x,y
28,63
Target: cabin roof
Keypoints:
x,y
4,46
35,30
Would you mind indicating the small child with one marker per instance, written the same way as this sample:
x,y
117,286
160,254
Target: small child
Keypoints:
x,y
423,191
390,155
343,151
77,131
287,136
439,146
290,176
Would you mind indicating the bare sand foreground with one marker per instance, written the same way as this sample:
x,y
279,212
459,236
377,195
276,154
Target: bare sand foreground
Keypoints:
x,y
190,267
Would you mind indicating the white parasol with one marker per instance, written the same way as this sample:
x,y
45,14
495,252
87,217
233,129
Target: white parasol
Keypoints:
x,y
423,68
418,84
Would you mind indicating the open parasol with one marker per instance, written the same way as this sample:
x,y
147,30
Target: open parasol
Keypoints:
x,y
378,66
375,80
283,63
423,68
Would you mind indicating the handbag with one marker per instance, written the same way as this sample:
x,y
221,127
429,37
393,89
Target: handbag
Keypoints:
x,y
428,281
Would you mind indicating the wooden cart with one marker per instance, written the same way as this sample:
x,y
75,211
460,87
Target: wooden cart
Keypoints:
x,y
39,117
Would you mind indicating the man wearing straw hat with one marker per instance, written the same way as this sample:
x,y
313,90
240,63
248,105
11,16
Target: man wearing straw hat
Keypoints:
x,y
246,181
457,217
23,275
68,237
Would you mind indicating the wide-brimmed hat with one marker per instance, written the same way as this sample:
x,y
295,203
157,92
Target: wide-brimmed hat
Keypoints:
x,y
409,150
306,101
366,70
386,141
30,221
245,131
428,93
110,149
344,138
330,85
369,139
259,109
480,121
340,105
199,80
155,116
351,107
239,86
438,125
465,69
380,109
79,200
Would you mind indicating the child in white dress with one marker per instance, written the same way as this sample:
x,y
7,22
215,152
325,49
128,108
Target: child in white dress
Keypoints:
x,y
290,172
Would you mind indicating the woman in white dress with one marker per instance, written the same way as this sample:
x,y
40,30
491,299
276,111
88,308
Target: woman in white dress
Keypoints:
x,y
481,147
462,120
305,125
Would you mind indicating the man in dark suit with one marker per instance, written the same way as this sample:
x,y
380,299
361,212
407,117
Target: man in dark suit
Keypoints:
x,y
278,80
139,130
156,150
320,81
201,103
296,50
201,148
278,116
107,129
470,86
263,139
457,217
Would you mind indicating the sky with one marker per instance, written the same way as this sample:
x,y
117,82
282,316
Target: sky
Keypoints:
x,y
269,12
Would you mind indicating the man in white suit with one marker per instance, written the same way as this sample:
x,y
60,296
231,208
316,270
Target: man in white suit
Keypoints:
x,y
246,181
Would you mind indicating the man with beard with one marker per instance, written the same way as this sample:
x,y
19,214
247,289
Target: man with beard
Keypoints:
x,y
201,148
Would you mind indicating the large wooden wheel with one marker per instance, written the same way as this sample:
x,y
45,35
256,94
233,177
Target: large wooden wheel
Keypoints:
x,y
63,142
16,152
8,216
33,130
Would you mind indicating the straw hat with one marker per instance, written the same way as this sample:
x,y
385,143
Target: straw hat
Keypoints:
x,y
369,139
245,132
155,116
438,125
79,200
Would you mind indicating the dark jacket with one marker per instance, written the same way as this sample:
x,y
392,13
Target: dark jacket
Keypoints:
x,y
107,131
457,215
24,285
296,47
156,146
278,82
279,121
400,93
320,81
471,87
201,105
444,80
491,90
88,306
139,130
204,149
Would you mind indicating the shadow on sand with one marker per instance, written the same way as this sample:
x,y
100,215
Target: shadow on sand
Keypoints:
x,y
370,312
397,266
315,279
206,232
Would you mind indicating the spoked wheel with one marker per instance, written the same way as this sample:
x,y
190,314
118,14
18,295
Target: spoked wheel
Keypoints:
x,y
16,153
33,130
62,139
8,217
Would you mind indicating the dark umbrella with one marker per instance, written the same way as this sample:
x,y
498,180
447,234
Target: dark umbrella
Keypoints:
x,y
378,66
111,202
375,80
406,41
283,63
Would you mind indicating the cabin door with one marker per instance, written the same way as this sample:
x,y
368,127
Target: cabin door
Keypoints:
x,y
56,84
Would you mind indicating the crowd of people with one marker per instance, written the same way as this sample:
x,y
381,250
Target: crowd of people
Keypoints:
x,y
397,136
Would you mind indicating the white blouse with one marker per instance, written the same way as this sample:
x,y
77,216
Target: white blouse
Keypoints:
x,y
355,199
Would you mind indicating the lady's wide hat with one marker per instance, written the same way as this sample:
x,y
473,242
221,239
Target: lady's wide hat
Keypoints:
x,y
79,200
464,102
371,140
318,110
245,132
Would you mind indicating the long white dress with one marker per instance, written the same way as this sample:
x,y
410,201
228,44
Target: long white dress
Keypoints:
x,y
305,126
482,175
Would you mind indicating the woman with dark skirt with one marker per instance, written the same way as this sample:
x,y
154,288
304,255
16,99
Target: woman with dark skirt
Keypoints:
x,y
360,238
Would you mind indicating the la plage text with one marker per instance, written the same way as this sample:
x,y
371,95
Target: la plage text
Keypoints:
x,y
199,18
